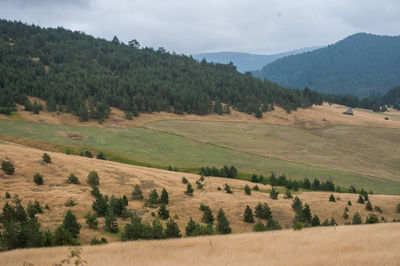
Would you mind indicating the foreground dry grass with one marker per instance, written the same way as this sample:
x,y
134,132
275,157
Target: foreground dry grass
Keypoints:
x,y
119,179
347,245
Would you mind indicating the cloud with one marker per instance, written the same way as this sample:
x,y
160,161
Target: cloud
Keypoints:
x,y
197,26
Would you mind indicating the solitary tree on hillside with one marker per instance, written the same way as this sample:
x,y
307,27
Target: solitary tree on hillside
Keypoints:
x,y
223,223
46,158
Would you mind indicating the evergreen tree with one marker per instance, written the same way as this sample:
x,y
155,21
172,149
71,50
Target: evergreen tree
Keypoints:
x,y
247,190
372,219
263,211
274,194
248,215
72,179
332,198
306,215
93,178
184,180
46,158
360,199
63,237
153,198
101,156
297,204
259,227
356,219
163,213
208,216
190,227
349,203
71,224
288,194
223,223
91,220
368,206
189,190
227,189
164,196
315,221
38,179
7,167
110,222
137,193
157,230
20,214
172,229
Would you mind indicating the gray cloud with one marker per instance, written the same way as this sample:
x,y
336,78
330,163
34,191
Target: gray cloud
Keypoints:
x,y
209,25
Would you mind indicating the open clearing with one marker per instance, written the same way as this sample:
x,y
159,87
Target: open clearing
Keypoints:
x,y
119,179
347,245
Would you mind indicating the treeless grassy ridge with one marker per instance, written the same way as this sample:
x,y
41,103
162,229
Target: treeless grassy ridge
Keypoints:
x,y
119,179
347,245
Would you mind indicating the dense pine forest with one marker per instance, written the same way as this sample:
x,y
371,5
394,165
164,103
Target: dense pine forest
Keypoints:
x,y
83,75
361,65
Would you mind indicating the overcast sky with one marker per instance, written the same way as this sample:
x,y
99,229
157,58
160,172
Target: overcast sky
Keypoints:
x,y
189,26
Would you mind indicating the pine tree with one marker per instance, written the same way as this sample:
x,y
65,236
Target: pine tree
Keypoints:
x,y
189,190
163,213
46,158
223,223
157,230
297,204
274,194
71,224
259,227
315,221
360,199
356,219
164,196
247,190
8,167
93,178
349,203
184,180
111,223
263,211
368,206
72,179
208,217
91,220
227,189
172,229
38,179
20,214
137,193
306,214
248,215
288,194
190,227
332,198
63,237
153,198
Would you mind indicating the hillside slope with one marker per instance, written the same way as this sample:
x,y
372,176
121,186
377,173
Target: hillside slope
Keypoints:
x,y
245,61
361,64
347,245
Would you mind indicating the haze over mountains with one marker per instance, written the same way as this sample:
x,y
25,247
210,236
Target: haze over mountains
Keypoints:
x,y
361,64
247,61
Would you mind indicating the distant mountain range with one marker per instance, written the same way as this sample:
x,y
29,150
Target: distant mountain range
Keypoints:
x,y
361,64
245,61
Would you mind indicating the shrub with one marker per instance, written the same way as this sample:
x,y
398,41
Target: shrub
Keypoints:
x,y
70,223
38,179
256,188
72,179
274,194
288,194
223,223
8,195
46,158
96,241
345,215
184,180
8,167
70,203
248,215
201,178
259,227
298,226
91,220
349,203
378,209
93,178
247,190
199,184
227,189
189,190
368,206
372,219
88,154
137,193
101,156
332,198
356,219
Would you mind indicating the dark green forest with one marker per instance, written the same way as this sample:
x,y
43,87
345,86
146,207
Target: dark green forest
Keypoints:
x,y
361,65
83,75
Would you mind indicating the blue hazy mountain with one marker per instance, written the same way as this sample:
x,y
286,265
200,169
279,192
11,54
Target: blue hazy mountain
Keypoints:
x,y
245,61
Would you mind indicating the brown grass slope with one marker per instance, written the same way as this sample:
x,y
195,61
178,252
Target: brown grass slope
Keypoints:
x,y
347,245
119,179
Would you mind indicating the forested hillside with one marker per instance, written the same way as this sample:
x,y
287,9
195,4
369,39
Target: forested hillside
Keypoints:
x,y
360,65
83,75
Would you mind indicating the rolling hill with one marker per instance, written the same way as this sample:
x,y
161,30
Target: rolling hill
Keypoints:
x,y
361,64
245,61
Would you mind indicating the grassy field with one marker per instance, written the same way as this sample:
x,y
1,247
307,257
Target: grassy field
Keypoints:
x,y
347,245
163,149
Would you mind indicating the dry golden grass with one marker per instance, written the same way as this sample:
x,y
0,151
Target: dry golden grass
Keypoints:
x,y
119,179
316,116
347,245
